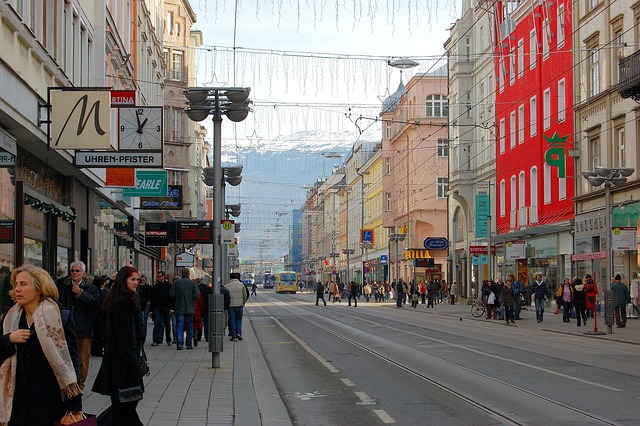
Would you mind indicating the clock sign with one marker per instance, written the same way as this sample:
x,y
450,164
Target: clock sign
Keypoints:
x,y
140,129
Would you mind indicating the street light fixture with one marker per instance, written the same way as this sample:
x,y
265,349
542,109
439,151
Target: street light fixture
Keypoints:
x,y
616,176
234,103
397,237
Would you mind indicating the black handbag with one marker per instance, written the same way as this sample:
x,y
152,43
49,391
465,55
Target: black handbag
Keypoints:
x,y
131,394
143,366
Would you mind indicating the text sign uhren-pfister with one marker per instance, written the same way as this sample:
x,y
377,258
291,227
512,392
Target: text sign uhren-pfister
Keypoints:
x,y
103,159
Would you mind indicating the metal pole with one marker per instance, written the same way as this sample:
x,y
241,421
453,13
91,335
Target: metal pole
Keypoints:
x,y
216,300
491,277
607,190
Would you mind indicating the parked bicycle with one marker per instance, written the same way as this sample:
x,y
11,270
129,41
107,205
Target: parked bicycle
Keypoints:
x,y
479,307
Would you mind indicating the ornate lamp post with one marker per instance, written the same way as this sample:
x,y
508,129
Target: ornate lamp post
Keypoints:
x,y
234,103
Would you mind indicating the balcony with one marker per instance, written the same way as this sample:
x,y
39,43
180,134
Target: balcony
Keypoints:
x,y
629,86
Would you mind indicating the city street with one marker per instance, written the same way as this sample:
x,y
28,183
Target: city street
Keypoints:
x,y
379,364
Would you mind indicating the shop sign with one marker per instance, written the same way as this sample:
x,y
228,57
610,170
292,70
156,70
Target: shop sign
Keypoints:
x,y
624,238
7,232
515,250
440,243
185,260
148,184
156,234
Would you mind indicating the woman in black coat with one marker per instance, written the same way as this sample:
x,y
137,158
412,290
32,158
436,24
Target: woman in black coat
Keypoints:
x,y
123,334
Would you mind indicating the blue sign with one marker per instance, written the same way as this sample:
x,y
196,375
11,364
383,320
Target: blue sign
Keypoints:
x,y
436,243
383,259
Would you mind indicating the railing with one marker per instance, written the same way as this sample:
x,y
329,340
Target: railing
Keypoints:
x,y
629,77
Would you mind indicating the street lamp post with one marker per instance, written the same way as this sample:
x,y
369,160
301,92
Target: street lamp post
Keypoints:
x,y
616,176
234,103
397,237
365,247
348,252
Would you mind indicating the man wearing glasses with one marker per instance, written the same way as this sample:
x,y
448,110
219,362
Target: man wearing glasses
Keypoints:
x,y
81,298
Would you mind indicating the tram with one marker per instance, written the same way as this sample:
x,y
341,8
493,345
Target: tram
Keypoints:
x,y
286,282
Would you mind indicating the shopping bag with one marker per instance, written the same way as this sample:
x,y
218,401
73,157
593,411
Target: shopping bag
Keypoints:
x,y
81,420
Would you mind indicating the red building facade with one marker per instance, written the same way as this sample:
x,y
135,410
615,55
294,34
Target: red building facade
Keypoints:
x,y
534,119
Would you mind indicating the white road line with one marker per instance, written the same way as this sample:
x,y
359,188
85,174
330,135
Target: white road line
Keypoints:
x,y
347,382
386,418
315,354
363,396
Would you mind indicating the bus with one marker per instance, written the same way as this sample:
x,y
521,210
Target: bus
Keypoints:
x,y
269,281
286,282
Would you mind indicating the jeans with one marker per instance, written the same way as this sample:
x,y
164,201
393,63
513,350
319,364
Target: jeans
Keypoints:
x,y
508,313
145,316
235,321
180,321
161,324
566,311
174,328
539,308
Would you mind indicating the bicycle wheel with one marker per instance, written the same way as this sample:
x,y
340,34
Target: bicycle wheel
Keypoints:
x,y
477,309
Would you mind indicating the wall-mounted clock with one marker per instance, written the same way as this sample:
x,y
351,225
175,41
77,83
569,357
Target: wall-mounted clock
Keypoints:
x,y
140,128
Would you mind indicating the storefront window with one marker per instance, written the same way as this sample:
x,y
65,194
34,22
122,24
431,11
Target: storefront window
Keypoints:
x,y
33,252
110,251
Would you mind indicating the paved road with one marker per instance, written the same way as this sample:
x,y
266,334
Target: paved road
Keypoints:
x,y
377,364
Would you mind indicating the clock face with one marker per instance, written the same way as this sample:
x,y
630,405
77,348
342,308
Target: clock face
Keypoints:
x,y
140,129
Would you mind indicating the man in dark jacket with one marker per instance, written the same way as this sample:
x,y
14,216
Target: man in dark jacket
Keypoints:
x,y
160,304
184,294
540,292
144,296
206,292
320,293
78,294
353,294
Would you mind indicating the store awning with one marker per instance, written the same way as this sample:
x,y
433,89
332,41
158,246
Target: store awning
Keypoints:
x,y
198,272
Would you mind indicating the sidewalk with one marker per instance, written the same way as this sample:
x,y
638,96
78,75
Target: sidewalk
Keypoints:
x,y
552,323
183,389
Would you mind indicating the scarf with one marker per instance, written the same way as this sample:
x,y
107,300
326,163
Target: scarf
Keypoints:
x,y
48,326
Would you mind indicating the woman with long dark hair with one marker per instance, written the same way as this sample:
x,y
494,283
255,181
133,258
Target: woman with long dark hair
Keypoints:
x,y
123,335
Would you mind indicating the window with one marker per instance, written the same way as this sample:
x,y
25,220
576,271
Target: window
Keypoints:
x,y
512,191
619,157
388,129
501,75
546,36
521,123
533,49
175,177
562,188
562,102
387,198
617,41
437,106
592,4
547,183
467,48
522,202
594,152
512,67
176,66
533,195
169,23
512,129
561,26
532,116
502,136
176,124
594,70
546,109
443,147
443,187
387,166
520,58
503,202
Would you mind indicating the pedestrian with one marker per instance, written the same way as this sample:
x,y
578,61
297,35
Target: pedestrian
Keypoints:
x,y
254,287
39,354
160,305
197,317
367,292
353,294
591,290
541,293
431,293
564,296
320,293
453,292
81,297
336,292
5,299
517,294
620,299
97,341
123,331
397,288
184,293
144,294
205,292
507,300
238,297
497,290
634,291
413,290
580,301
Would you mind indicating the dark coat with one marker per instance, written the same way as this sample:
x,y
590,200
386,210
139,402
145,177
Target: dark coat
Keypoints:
x,y
206,292
540,290
507,296
123,331
160,295
37,399
319,290
184,294
82,307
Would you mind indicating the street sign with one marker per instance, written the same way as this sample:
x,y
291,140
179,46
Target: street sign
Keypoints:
x,y
366,236
227,234
149,183
185,260
440,243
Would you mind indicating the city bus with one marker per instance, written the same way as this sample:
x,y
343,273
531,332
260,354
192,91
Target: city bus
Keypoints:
x,y
286,282
269,280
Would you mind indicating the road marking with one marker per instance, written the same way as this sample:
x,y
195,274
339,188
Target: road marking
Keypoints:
x,y
348,382
386,418
306,347
363,396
